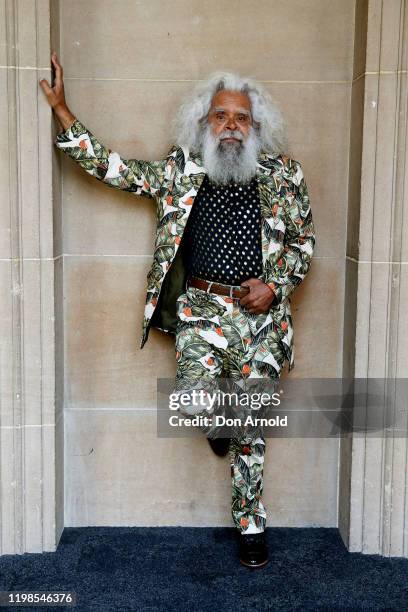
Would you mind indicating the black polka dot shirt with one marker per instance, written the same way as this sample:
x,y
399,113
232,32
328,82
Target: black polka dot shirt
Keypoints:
x,y
222,240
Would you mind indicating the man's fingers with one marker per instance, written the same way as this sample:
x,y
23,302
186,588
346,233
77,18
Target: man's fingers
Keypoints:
x,y
251,300
58,70
255,306
246,299
58,75
46,87
251,282
255,301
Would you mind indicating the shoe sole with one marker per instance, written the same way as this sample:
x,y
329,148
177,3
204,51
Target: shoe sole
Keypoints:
x,y
254,566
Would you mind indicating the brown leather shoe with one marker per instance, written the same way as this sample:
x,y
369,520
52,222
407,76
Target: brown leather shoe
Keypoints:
x,y
220,446
253,550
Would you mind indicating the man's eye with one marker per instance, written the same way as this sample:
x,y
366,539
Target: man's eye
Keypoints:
x,y
220,116
242,117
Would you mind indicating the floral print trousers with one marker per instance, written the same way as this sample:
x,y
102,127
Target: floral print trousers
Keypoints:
x,y
216,336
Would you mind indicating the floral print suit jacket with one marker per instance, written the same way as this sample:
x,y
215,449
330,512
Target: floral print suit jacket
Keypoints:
x,y
287,229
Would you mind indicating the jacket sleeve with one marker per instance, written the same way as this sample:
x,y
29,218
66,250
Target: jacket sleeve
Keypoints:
x,y
137,176
299,241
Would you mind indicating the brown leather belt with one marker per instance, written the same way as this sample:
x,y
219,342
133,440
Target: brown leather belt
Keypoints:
x,y
233,291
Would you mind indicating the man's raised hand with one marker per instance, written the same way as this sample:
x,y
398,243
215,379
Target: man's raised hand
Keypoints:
x,y
56,95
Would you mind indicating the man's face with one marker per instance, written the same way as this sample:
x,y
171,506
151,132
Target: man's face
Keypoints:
x,y
230,143
230,116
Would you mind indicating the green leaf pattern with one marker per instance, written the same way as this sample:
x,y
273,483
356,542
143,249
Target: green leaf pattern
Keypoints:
x,y
217,337
287,231
246,460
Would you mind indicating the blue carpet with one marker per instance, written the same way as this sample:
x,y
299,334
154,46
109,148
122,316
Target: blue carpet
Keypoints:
x,y
197,569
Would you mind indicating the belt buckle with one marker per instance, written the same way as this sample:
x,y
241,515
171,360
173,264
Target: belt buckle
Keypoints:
x,y
210,284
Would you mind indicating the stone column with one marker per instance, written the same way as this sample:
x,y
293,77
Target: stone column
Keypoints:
x,y
373,508
27,356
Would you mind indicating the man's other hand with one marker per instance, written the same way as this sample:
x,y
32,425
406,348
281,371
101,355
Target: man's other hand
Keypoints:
x,y
260,297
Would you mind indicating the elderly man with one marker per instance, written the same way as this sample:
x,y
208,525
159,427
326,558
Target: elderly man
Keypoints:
x,y
234,238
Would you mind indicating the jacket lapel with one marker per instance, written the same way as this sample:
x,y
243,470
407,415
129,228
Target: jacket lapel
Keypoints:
x,y
270,182
192,178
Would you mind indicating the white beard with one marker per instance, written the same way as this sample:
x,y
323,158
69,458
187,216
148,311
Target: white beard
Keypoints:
x,y
228,162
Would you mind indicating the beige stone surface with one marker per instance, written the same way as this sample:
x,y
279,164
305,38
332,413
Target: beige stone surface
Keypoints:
x,y
318,117
395,540
104,305
35,454
385,165
183,40
28,510
400,246
376,193
7,389
360,37
402,329
378,306
59,336
38,336
6,151
10,526
20,17
25,169
350,313
30,171
354,170
344,480
120,473
34,359
55,29
27,400
58,508
56,511
3,29
57,209
33,47
373,319
318,322
387,35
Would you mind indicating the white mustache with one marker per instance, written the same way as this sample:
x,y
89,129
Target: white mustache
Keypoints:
x,y
234,134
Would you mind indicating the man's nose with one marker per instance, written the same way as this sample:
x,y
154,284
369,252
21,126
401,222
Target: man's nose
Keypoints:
x,y
231,125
